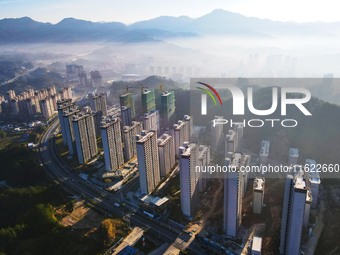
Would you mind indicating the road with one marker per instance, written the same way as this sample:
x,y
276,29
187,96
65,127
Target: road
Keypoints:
x,y
18,76
60,172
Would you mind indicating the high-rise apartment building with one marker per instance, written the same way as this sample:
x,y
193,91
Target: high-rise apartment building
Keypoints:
x,y
62,105
233,195
168,107
230,142
258,195
264,151
129,139
179,135
166,152
188,127
68,114
188,160
151,121
293,156
293,214
238,127
216,135
126,116
96,79
314,181
203,161
127,100
112,143
99,103
148,100
85,135
148,161
47,108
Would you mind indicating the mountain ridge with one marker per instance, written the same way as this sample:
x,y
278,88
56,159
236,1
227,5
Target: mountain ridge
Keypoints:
x,y
217,22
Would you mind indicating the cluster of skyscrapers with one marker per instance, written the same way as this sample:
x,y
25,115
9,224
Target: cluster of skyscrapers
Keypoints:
x,y
76,72
300,192
79,127
126,137
33,102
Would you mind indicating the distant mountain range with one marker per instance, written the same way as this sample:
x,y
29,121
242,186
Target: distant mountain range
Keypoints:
x,y
218,22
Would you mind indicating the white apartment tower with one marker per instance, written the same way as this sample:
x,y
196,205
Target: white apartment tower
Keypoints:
x,y
151,121
293,156
85,135
203,161
314,181
264,151
230,142
112,143
188,160
99,103
188,127
68,114
179,135
233,194
258,195
166,152
238,127
293,214
129,139
216,135
148,161
62,105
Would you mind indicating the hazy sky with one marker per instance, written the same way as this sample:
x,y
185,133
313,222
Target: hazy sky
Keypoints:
x,y
129,11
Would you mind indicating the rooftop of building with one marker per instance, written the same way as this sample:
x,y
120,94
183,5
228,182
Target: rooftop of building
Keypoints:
x,y
150,114
237,158
70,111
202,150
79,116
313,175
108,121
187,117
156,201
259,184
163,139
124,107
264,151
133,125
300,183
309,197
185,149
146,91
98,95
125,94
166,93
257,244
230,136
113,110
180,124
144,136
293,152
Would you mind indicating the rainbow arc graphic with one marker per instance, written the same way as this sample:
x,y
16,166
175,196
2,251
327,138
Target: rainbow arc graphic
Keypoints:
x,y
210,91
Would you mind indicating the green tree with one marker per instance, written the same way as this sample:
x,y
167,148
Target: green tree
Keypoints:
x,y
3,134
